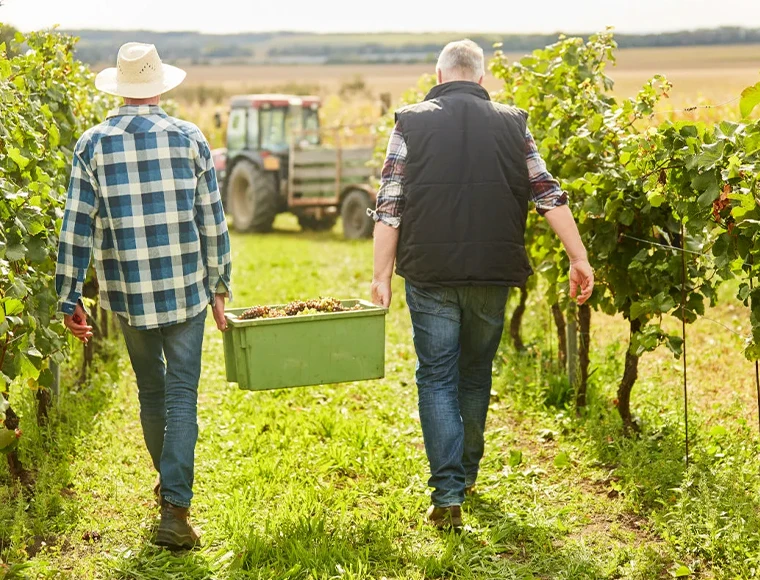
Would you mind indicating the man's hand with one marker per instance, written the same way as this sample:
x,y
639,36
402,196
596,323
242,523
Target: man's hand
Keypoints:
x,y
77,324
218,310
581,276
381,293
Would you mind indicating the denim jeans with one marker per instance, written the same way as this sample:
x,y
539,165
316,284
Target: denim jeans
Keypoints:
x,y
456,333
167,365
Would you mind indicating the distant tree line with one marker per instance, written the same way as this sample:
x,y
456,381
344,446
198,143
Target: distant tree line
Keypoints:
x,y
99,46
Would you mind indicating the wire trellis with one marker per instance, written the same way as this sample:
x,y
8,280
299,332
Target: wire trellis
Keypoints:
x,y
684,252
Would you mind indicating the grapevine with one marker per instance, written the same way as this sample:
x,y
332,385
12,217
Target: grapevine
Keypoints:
x,y
47,100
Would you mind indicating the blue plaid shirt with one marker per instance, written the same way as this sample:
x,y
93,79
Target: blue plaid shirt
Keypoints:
x,y
143,194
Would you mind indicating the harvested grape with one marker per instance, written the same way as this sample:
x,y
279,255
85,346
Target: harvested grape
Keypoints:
x,y
297,307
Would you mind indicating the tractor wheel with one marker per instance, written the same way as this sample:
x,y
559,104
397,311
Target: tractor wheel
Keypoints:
x,y
356,223
252,198
315,224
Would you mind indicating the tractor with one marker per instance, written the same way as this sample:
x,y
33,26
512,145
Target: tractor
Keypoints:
x,y
275,161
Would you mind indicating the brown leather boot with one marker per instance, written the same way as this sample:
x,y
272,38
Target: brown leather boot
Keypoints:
x,y
445,517
174,531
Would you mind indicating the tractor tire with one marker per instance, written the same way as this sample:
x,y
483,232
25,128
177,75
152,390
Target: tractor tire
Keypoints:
x,y
315,224
356,223
252,198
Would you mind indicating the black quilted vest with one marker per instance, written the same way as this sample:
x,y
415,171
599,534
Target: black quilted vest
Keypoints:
x,y
467,189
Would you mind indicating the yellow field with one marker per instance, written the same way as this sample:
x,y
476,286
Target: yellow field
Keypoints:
x,y
700,76
708,72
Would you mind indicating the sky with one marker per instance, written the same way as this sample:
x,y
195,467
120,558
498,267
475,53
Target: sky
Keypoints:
x,y
228,16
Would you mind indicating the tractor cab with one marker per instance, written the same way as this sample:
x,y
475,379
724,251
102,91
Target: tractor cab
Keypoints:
x,y
275,162
270,123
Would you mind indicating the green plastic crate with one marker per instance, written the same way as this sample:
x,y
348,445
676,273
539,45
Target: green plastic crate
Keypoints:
x,y
314,349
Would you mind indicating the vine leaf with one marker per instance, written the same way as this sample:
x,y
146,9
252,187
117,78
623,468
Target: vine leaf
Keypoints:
x,y
750,99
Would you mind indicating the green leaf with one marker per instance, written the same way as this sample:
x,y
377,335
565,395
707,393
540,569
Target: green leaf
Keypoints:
x,y
15,252
639,308
8,440
655,198
38,250
718,431
626,216
515,457
675,345
28,369
12,306
665,303
562,460
55,135
46,378
711,154
682,571
709,196
750,99
17,158
33,351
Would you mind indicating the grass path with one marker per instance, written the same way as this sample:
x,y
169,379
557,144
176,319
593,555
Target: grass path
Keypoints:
x,y
330,482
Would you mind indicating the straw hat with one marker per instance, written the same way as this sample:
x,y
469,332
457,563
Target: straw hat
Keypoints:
x,y
139,73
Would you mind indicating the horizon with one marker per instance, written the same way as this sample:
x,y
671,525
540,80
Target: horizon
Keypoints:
x,y
411,33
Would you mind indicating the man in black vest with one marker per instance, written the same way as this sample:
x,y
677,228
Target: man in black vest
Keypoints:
x,y
461,171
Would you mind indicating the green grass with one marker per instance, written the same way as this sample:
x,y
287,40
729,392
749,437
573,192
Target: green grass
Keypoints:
x,y
330,481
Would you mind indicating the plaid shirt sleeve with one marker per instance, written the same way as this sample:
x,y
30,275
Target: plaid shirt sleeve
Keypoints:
x,y
390,196
212,225
546,192
75,242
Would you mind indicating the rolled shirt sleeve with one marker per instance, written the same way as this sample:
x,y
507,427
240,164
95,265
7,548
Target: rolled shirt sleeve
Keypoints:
x,y
212,226
390,196
75,241
546,192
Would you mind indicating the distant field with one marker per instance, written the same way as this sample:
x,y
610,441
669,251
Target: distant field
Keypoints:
x,y
700,76
712,73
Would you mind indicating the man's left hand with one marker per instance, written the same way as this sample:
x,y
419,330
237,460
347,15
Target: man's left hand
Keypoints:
x,y
581,276
218,311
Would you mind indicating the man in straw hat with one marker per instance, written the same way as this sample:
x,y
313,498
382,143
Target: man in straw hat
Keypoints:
x,y
143,194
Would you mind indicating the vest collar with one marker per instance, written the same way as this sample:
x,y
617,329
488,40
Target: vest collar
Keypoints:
x,y
458,87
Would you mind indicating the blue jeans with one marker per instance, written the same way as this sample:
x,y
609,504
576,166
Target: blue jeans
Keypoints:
x,y
167,365
456,333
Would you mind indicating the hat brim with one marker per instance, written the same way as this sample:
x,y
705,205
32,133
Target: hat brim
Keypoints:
x,y
106,81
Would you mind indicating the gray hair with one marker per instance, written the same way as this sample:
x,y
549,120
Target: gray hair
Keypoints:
x,y
462,59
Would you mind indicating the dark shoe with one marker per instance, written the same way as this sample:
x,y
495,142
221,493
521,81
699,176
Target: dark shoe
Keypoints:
x,y
174,531
445,517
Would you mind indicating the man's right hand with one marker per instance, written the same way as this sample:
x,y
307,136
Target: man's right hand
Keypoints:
x,y
381,293
218,311
77,324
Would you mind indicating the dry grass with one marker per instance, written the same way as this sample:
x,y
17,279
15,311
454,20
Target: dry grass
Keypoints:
x,y
721,382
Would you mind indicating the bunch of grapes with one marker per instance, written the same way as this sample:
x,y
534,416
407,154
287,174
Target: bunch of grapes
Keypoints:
x,y
255,312
293,308
297,307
